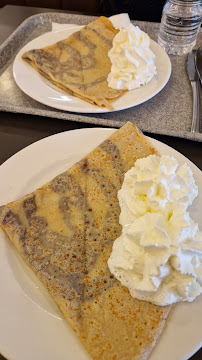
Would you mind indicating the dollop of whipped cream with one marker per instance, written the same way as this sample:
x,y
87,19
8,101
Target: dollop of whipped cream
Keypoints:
x,y
158,256
132,59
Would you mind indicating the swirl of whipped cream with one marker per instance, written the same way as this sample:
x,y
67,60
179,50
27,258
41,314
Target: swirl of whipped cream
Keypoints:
x,y
159,254
132,59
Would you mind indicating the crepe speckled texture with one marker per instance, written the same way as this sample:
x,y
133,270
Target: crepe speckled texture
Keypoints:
x,y
80,64
65,231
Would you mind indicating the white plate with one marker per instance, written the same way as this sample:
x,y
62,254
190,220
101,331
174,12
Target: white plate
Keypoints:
x,y
40,89
31,326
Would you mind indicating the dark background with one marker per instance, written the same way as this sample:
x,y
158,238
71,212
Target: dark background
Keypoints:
x,y
149,10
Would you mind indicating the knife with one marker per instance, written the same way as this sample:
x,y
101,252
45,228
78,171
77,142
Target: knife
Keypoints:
x,y
194,79
198,60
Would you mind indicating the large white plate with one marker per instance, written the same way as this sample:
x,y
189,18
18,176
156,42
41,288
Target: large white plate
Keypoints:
x,y
40,89
31,326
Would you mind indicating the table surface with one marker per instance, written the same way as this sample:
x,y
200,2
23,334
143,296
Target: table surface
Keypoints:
x,y
18,130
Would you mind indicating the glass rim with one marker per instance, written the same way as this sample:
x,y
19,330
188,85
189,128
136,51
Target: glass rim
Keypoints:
x,y
185,2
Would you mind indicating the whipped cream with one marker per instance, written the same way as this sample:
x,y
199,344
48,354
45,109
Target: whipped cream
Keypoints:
x,y
132,59
158,256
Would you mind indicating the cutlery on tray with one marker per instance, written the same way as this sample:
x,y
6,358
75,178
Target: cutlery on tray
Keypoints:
x,y
194,79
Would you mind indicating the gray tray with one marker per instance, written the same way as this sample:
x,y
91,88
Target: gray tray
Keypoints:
x,y
169,112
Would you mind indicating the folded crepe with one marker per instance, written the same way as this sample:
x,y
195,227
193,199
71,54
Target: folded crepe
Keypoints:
x,y
65,231
80,64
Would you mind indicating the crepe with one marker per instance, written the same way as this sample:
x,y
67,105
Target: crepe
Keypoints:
x,y
65,231
80,64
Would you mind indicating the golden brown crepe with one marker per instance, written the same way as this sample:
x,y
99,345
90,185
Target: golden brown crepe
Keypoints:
x,y
65,231
80,64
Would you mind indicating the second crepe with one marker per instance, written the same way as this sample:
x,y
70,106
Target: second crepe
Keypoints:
x,y
80,64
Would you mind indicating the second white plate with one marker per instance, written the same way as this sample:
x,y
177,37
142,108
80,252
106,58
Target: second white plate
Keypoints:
x,y
40,89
